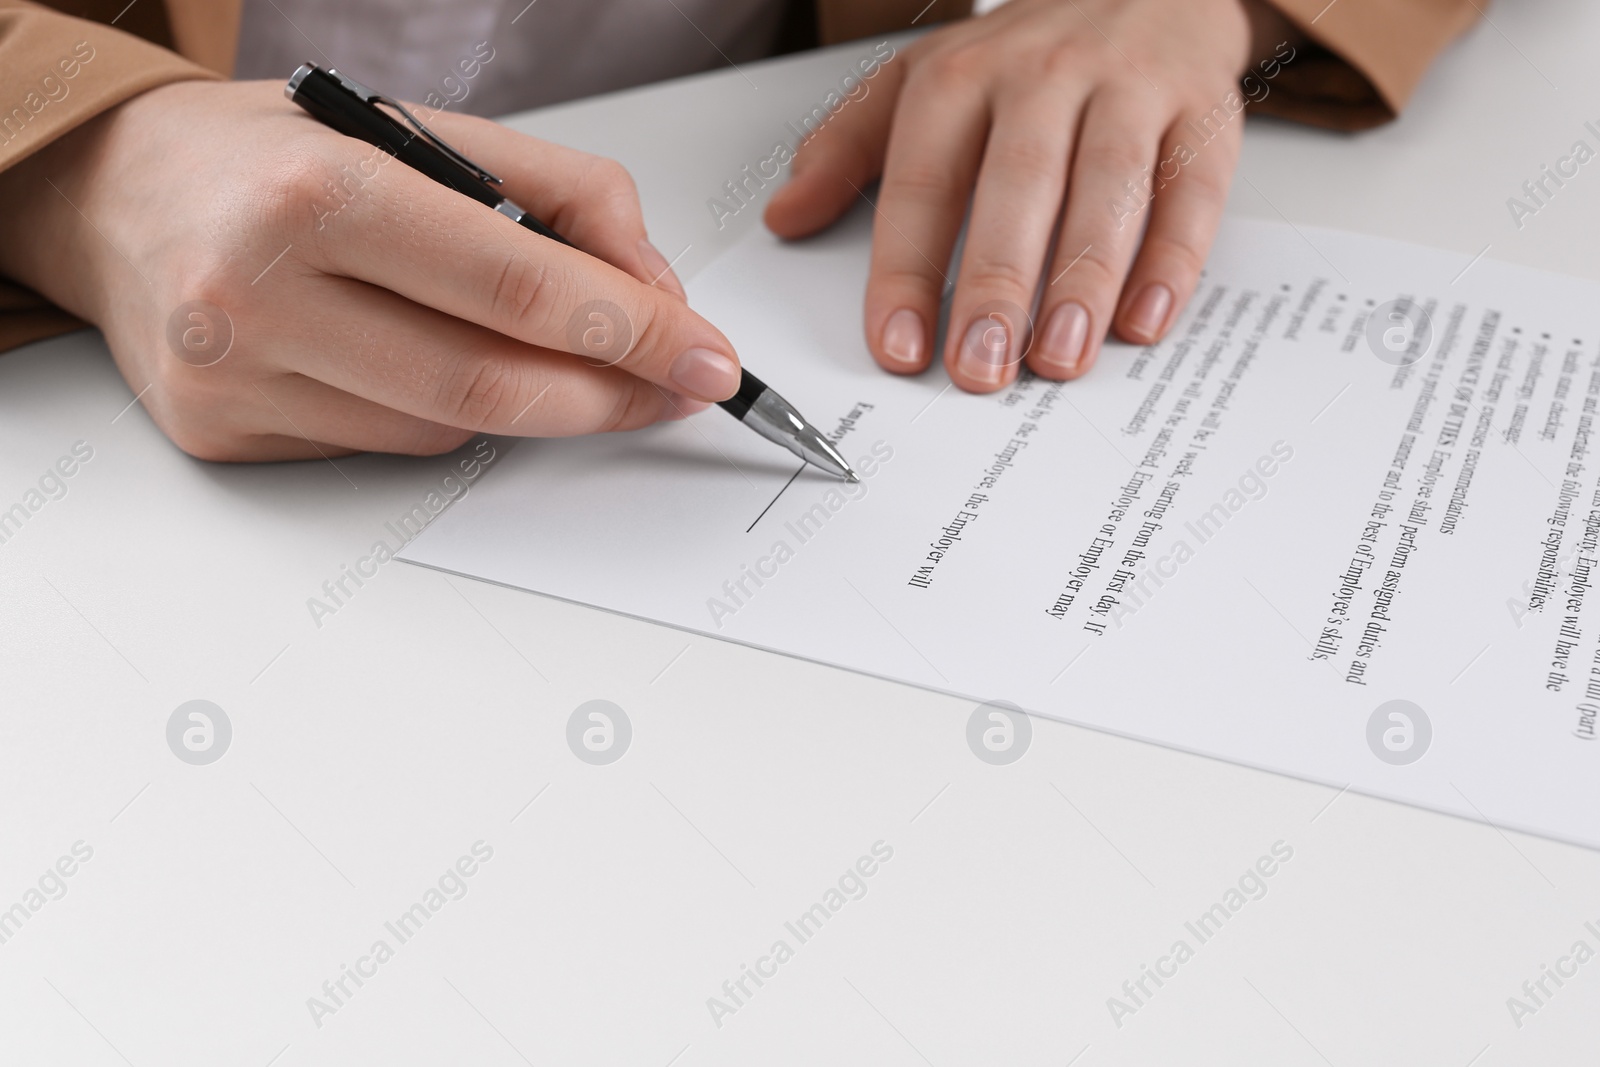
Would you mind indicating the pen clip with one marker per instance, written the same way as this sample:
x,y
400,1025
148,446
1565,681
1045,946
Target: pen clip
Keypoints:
x,y
373,99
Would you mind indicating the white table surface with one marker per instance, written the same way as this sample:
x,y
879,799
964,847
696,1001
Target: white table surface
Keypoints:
x,y
368,754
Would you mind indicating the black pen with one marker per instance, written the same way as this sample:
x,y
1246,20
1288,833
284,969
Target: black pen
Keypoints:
x,y
347,106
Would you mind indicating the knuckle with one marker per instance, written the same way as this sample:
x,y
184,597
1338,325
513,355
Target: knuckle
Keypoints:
x,y
300,181
987,274
520,296
1102,269
895,286
1098,270
1121,157
200,441
208,292
918,181
1176,250
1209,185
1045,65
651,340
610,190
212,412
207,279
1030,159
955,66
188,392
1062,65
612,178
480,391
633,408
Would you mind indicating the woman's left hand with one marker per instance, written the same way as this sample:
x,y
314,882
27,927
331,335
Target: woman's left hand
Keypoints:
x,y
1110,125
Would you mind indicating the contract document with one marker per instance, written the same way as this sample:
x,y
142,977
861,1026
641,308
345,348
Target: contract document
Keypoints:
x,y
1342,524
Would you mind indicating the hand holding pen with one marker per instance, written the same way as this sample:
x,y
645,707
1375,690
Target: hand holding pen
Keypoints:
x,y
300,294
345,105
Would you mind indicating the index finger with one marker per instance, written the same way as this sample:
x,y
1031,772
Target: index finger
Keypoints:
x,y
438,248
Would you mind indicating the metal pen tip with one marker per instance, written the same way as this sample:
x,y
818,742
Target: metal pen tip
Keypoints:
x,y
774,418
819,452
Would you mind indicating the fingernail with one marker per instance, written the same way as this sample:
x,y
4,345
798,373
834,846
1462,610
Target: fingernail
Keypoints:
x,y
658,267
986,350
1062,345
903,337
681,407
705,375
1149,310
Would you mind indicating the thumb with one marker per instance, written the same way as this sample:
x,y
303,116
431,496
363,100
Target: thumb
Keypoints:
x,y
838,159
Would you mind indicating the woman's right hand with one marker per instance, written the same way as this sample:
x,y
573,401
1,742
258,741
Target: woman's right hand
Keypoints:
x,y
355,304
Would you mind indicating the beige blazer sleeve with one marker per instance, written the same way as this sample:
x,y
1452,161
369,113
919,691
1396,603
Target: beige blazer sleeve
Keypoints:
x,y
1366,60
58,71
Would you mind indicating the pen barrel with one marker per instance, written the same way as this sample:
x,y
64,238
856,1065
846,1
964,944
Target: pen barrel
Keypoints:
x,y
328,102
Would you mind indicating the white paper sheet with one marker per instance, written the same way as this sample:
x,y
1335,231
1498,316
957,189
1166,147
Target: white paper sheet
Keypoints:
x,y
987,552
